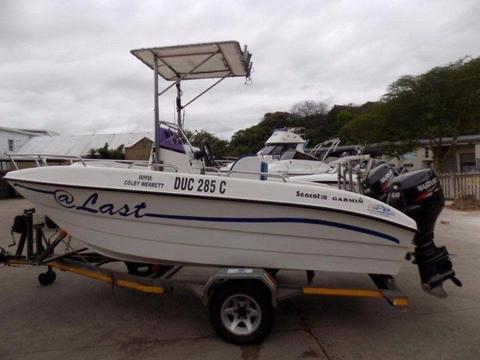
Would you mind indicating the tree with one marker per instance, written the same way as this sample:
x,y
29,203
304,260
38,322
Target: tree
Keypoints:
x,y
202,137
252,139
377,126
309,108
105,153
444,102
337,120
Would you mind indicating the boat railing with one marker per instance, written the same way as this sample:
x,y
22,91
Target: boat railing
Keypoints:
x,y
42,160
322,147
154,165
132,163
266,174
351,159
350,173
214,169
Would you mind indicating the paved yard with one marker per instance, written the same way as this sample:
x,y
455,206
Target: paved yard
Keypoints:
x,y
78,318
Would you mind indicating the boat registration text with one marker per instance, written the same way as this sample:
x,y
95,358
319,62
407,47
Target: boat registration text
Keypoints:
x,y
200,185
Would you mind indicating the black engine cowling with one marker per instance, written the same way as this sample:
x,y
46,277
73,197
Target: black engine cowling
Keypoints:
x,y
419,195
377,183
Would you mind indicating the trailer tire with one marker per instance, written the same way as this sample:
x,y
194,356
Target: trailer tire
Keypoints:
x,y
241,312
43,279
47,278
52,276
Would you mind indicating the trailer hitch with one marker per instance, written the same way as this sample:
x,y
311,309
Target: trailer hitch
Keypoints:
x,y
32,237
3,256
19,226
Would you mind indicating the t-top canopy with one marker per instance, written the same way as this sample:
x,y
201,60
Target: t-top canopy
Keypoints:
x,y
198,61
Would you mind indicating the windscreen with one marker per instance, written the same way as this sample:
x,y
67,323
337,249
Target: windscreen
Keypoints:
x,y
276,149
293,154
170,140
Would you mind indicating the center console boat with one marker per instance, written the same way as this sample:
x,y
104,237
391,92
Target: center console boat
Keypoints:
x,y
173,210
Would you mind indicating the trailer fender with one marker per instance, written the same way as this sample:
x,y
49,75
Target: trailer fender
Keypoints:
x,y
239,274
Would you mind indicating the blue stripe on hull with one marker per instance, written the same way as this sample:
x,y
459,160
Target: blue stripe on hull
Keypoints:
x,y
255,220
278,220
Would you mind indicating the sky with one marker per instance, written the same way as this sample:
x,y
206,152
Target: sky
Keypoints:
x,y
65,65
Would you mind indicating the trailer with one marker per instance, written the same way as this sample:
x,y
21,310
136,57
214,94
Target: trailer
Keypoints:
x,y
241,301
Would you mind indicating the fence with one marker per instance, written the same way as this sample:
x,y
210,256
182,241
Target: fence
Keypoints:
x,y
456,185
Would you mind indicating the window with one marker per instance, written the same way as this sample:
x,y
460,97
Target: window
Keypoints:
x,y
276,149
293,154
11,145
467,162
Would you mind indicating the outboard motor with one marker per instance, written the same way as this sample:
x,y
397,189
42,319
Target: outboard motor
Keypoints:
x,y
378,181
418,194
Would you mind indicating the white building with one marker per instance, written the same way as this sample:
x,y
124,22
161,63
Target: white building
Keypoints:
x,y
464,157
81,145
12,139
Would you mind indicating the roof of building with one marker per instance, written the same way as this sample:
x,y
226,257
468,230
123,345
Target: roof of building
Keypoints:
x,y
446,141
30,132
78,145
461,140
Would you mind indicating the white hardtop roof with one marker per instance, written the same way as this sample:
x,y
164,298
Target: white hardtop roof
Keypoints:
x,y
284,136
220,59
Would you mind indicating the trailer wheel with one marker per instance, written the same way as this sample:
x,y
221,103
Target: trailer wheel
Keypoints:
x,y
47,278
52,276
272,272
147,270
139,269
241,312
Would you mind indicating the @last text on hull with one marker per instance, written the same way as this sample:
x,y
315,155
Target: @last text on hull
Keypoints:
x,y
155,217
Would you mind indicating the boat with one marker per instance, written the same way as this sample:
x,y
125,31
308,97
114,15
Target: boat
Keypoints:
x,y
296,162
160,217
285,153
345,172
281,141
172,210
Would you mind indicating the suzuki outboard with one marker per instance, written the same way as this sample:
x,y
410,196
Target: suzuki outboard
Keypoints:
x,y
419,195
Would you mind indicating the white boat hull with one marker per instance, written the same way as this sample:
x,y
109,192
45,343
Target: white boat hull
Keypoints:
x,y
156,226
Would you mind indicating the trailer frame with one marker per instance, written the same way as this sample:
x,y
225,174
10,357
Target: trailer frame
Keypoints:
x,y
265,291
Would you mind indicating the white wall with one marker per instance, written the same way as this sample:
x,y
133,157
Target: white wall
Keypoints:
x,y
416,159
419,159
19,139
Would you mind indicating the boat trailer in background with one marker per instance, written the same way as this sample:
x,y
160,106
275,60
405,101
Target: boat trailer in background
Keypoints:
x,y
238,298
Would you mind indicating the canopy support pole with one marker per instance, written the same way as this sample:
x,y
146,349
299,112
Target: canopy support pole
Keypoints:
x,y
187,73
207,89
157,116
179,104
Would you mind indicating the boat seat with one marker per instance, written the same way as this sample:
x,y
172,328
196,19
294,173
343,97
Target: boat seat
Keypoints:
x,y
249,167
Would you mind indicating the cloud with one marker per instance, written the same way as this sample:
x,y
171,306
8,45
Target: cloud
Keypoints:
x,y
66,66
